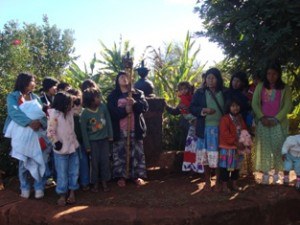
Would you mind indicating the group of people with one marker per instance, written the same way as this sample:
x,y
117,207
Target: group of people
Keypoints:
x,y
66,133
222,123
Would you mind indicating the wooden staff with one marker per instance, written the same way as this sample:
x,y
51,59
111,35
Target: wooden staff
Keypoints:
x,y
128,63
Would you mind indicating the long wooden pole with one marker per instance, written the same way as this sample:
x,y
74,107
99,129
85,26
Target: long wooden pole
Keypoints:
x,y
128,63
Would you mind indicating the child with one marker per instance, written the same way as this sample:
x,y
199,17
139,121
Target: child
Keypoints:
x,y
62,135
96,132
49,91
230,158
63,86
84,167
24,124
185,93
291,157
207,105
88,83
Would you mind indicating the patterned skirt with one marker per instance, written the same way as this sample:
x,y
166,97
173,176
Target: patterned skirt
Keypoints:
x,y
137,165
207,148
229,159
191,161
268,144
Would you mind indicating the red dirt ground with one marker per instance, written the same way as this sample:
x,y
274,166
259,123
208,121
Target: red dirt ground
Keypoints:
x,y
167,198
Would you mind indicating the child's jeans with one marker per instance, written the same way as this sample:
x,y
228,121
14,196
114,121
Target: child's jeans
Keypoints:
x,y
67,168
24,176
84,166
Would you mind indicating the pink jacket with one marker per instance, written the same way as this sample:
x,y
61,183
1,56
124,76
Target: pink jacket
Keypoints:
x,y
62,129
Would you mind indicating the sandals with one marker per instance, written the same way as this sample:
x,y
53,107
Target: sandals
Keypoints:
x,y
121,182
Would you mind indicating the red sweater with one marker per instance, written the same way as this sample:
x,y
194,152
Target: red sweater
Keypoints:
x,y
228,132
186,101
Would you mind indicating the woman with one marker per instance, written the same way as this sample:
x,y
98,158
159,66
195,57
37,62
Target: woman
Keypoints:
x,y
25,131
271,103
207,106
120,105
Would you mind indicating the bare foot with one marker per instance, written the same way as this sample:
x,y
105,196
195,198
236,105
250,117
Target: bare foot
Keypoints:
x,y
207,186
121,182
71,199
62,200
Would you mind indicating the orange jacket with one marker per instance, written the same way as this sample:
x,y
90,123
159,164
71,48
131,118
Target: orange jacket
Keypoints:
x,y
228,132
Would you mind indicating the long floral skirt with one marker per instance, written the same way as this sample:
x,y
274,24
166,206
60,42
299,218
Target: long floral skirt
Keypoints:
x,y
137,165
268,144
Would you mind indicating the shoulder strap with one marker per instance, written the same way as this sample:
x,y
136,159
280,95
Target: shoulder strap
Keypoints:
x,y
216,100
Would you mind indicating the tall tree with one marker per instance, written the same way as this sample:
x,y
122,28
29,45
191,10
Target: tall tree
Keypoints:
x,y
254,31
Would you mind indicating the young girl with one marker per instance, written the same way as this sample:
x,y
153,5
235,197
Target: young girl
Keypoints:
x,y
96,133
185,93
84,167
207,106
61,133
24,122
120,105
231,125
272,101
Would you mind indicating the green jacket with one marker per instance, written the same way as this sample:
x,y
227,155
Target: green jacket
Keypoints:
x,y
285,105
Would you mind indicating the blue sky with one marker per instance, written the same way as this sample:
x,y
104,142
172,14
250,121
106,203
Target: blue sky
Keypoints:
x,y
142,22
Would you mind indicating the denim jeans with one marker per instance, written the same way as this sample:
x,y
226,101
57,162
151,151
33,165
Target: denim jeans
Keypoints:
x,y
84,166
24,177
67,168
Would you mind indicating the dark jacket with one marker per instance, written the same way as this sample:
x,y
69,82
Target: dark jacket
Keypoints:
x,y
117,113
197,104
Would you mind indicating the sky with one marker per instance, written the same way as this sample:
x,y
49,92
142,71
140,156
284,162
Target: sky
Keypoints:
x,y
141,22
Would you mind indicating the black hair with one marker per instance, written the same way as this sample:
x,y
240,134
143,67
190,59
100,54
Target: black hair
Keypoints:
x,y
62,86
89,95
77,93
88,84
117,87
229,103
23,80
216,72
279,83
187,85
62,101
48,83
242,76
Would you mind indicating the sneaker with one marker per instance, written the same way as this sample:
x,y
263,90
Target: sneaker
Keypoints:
x,y
265,179
25,194
39,194
276,179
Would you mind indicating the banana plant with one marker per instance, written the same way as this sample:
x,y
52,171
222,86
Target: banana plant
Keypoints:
x,y
178,62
